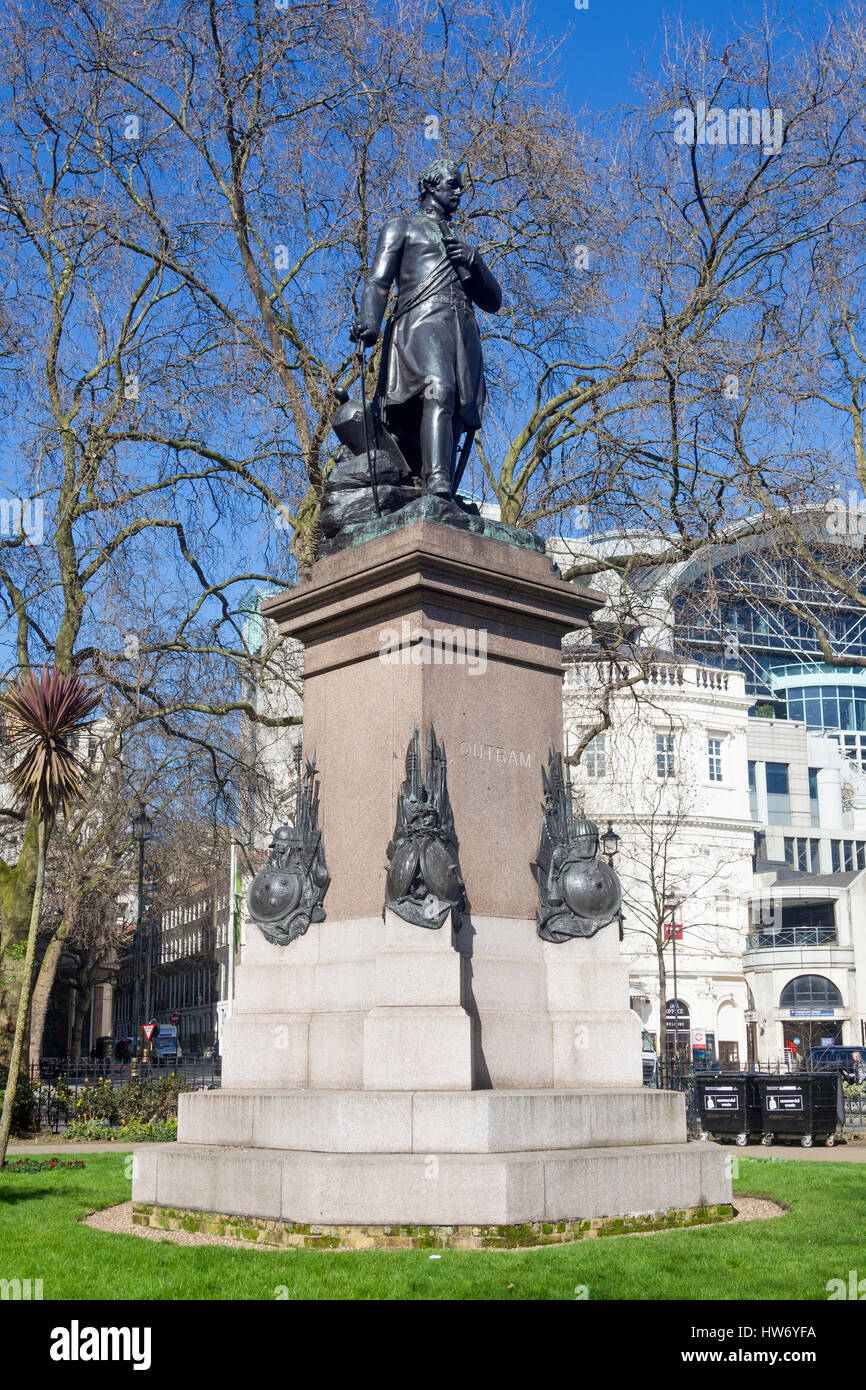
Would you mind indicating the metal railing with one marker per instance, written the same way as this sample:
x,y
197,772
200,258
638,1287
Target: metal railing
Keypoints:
x,y
197,1071
57,1082
786,937
855,1113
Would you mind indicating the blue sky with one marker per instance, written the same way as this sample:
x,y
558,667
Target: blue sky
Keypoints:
x,y
608,41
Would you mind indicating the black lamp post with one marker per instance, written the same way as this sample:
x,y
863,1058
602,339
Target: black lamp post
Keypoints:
x,y
149,891
671,905
142,828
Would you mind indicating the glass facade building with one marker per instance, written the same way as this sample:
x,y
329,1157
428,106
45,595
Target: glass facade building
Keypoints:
x,y
777,650
826,699
717,624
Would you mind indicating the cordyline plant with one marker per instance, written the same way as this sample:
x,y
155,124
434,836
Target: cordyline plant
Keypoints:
x,y
43,715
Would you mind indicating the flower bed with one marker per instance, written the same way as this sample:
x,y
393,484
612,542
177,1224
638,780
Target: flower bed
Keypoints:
x,y
133,1131
40,1165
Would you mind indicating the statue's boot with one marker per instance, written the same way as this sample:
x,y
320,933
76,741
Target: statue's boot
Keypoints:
x,y
437,447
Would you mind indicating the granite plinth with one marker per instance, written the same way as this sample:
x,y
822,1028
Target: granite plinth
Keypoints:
x,y
380,1004
424,626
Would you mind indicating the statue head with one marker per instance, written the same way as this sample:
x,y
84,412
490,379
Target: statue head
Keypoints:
x,y
441,181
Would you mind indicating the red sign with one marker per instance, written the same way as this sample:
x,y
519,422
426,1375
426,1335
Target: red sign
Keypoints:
x,y
175,1019
148,1029
673,930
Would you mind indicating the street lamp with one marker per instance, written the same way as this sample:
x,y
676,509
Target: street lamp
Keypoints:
x,y
610,843
610,848
671,905
142,829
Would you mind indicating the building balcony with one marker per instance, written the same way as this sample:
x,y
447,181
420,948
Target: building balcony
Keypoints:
x,y
685,678
783,937
803,958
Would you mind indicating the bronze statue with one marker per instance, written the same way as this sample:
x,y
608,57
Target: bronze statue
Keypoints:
x,y
578,893
287,895
431,380
403,445
424,881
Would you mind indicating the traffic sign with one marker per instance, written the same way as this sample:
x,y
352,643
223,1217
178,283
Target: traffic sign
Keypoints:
x,y
148,1029
175,1019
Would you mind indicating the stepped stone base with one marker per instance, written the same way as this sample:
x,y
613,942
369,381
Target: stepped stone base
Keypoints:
x,y
438,1189
432,1121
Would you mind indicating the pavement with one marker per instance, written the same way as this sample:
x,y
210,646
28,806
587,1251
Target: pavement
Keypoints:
x,y
839,1153
55,1145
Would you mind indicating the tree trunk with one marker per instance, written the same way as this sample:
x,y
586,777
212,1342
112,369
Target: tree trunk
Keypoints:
x,y
17,887
42,991
83,998
24,999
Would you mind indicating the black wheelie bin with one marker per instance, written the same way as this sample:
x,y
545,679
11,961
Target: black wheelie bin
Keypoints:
x,y
808,1104
729,1105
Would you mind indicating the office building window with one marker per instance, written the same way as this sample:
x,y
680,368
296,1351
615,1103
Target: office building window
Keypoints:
x,y
802,863
835,857
595,757
665,765
778,799
809,990
814,856
753,791
861,854
714,755
789,852
813,796
849,856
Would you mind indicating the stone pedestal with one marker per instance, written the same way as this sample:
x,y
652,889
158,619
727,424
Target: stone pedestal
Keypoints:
x,y
378,1073
483,624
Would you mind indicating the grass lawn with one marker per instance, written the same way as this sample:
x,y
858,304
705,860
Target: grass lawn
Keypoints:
x,y
793,1256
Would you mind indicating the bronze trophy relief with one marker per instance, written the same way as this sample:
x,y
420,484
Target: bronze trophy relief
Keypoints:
x,y
578,893
287,895
424,881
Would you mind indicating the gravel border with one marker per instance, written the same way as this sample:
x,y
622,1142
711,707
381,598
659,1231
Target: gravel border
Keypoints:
x,y
118,1221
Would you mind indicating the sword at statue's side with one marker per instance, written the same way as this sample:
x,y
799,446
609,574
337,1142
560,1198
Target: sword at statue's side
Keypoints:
x,y
371,467
465,277
462,461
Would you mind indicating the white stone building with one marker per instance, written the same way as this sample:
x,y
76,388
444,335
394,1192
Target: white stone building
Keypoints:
x,y
768,745
670,773
808,914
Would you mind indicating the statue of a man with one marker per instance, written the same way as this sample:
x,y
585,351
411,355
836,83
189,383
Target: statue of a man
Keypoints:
x,y
431,382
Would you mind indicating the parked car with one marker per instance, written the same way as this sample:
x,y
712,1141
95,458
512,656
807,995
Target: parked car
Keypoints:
x,y
649,1059
849,1060
165,1045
